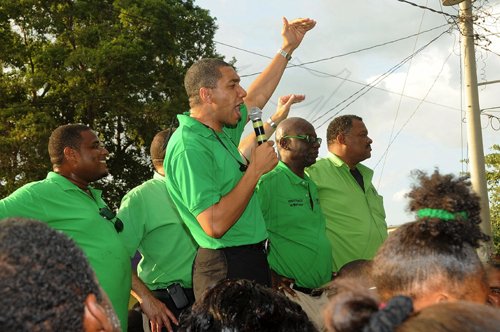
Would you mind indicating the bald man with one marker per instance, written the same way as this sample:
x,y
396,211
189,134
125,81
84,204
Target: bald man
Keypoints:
x,y
300,255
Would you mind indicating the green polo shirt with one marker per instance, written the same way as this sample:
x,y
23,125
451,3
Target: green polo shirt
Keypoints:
x,y
154,227
355,219
65,207
200,171
296,226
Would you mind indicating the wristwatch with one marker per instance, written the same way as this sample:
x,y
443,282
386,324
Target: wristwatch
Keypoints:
x,y
285,54
272,123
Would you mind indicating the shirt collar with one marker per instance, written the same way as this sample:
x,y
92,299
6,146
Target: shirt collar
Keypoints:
x,y
364,170
294,178
186,120
336,160
66,184
196,126
158,176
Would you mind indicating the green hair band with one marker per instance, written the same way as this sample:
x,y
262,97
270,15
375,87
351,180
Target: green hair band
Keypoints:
x,y
440,214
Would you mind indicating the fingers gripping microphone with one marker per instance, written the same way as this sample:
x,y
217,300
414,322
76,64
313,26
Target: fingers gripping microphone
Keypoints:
x,y
258,125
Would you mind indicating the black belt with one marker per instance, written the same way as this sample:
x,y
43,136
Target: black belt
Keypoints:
x,y
262,245
308,291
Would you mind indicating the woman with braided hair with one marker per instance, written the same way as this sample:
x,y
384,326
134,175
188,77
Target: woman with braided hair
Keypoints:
x,y
357,311
433,259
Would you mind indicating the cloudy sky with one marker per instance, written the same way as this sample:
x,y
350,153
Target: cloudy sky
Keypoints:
x,y
414,111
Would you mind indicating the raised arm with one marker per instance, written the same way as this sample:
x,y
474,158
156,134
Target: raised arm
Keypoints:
x,y
282,111
293,32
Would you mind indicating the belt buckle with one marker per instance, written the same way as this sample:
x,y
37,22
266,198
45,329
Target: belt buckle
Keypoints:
x,y
265,246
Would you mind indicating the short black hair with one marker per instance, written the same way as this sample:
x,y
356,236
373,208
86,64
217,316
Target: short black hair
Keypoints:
x,y
204,73
65,136
244,306
44,278
340,125
159,145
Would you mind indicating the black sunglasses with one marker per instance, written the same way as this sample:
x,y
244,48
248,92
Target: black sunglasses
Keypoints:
x,y
107,214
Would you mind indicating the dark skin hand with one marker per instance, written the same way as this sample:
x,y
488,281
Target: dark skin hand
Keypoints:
x,y
282,284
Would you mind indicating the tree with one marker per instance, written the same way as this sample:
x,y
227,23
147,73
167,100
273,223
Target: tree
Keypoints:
x,y
115,65
493,179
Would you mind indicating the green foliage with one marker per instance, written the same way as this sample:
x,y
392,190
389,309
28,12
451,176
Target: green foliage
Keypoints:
x,y
115,65
493,179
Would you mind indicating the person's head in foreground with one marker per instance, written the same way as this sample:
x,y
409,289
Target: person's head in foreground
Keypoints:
x,y
244,306
355,311
493,273
46,283
434,259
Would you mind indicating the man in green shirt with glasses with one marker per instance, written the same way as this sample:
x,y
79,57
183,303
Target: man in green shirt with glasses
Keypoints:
x,y
300,255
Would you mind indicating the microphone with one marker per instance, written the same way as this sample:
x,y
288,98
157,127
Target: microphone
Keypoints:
x,y
258,126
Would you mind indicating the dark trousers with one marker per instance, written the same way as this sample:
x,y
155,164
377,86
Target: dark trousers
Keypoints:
x,y
135,314
242,262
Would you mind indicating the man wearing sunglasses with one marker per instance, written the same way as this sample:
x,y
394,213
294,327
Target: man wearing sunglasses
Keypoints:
x,y
354,211
66,201
300,254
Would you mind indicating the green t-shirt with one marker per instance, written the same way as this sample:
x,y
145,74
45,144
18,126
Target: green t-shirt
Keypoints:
x,y
355,219
154,227
200,171
65,207
296,226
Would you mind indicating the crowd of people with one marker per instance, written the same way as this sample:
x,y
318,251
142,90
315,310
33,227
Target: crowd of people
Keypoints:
x,y
234,236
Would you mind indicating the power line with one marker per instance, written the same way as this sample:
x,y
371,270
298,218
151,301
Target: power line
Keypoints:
x,y
368,87
414,112
400,102
430,9
334,56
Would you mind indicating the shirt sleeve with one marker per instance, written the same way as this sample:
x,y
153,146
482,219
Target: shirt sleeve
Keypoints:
x,y
194,180
133,215
22,203
263,190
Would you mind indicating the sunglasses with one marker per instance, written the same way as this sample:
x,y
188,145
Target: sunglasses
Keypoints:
x,y
307,138
107,214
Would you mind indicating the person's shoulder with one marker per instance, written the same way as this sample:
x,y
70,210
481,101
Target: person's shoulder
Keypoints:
x,y
276,172
318,165
43,185
144,187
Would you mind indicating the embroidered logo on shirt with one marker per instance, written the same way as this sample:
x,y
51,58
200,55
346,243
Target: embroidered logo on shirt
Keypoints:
x,y
295,202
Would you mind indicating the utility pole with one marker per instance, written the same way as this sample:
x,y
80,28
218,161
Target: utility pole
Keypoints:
x,y
474,133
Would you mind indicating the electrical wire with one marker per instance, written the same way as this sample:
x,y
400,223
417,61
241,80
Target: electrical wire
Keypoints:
x,y
362,92
381,173
415,111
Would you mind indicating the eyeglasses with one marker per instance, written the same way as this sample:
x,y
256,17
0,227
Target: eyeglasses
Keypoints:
x,y
107,214
309,139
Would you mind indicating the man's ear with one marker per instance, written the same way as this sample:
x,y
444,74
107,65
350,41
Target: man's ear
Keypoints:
x,y
205,95
95,317
283,143
341,138
443,297
70,154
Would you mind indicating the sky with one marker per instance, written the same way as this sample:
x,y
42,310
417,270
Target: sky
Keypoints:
x,y
415,113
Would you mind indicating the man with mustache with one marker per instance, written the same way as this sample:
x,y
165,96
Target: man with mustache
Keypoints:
x,y
209,180
300,254
354,211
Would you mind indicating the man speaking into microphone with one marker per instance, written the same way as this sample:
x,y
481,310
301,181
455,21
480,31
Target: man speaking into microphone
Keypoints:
x,y
208,179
